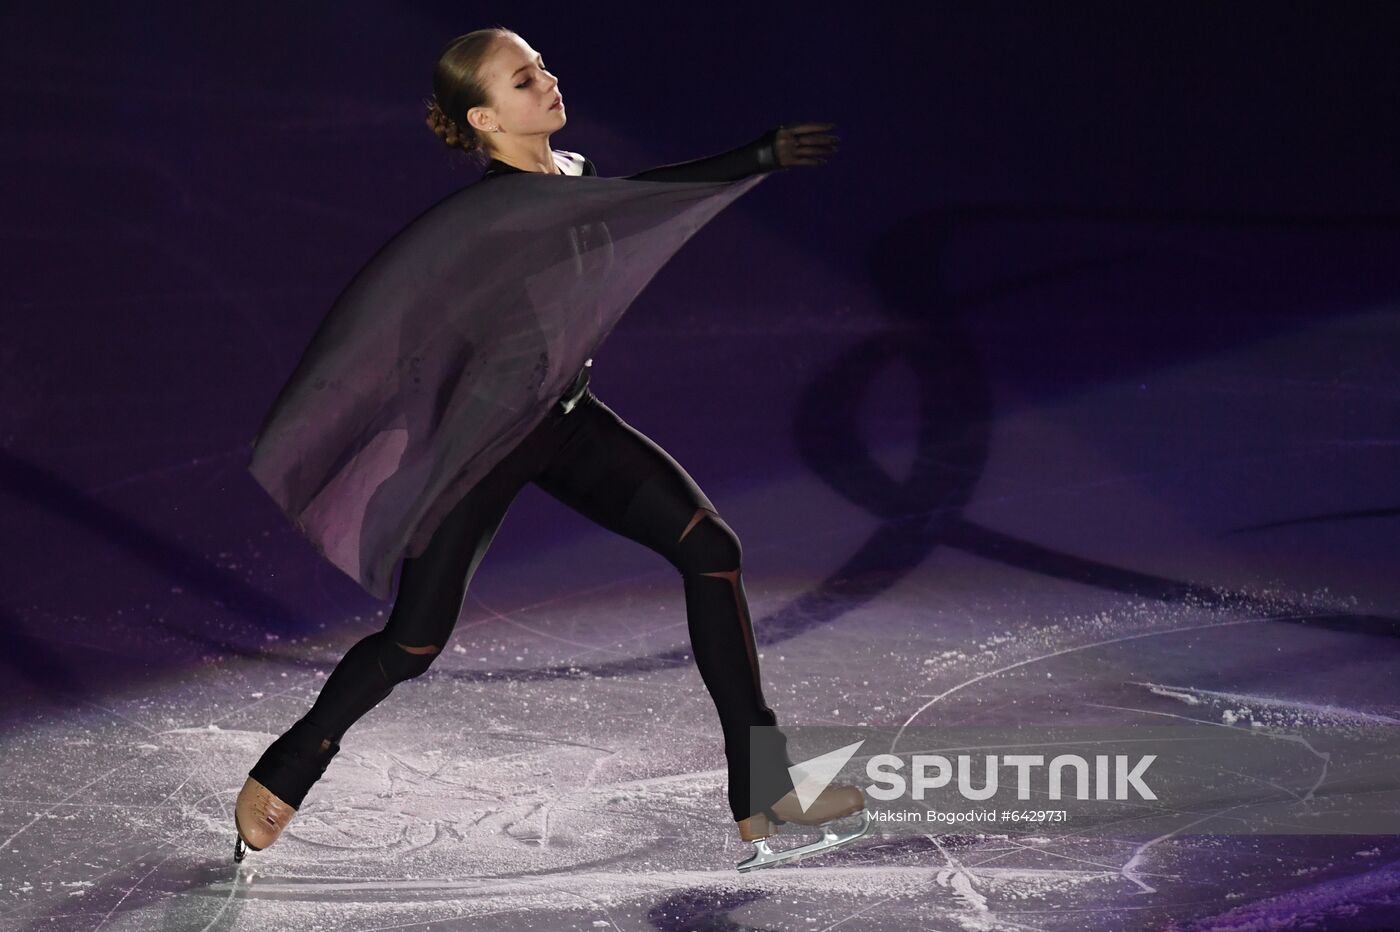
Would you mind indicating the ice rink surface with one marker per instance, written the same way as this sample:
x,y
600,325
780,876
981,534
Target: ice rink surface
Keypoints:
x,y
966,520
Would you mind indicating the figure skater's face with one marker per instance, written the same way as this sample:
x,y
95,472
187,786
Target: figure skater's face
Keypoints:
x,y
523,92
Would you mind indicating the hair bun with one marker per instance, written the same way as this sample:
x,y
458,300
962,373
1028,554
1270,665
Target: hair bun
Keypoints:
x,y
446,129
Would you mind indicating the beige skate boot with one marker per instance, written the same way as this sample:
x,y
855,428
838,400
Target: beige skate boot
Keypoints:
x,y
293,764
259,817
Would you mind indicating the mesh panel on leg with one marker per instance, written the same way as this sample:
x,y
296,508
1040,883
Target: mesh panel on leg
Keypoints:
x,y
709,556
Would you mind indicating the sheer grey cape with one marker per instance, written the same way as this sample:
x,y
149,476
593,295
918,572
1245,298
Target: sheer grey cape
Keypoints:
x,y
451,344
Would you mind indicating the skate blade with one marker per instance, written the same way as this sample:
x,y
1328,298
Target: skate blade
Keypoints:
x,y
764,856
240,846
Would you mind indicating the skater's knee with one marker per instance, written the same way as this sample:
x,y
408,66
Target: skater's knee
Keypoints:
x,y
428,649
404,661
707,545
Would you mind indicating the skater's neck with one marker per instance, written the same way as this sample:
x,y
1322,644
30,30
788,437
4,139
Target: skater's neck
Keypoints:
x,y
527,154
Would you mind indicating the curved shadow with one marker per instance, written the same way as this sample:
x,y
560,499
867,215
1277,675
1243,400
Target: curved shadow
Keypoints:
x,y
918,513
1392,512
922,511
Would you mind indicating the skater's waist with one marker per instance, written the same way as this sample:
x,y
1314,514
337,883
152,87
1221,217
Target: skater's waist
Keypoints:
x,y
576,388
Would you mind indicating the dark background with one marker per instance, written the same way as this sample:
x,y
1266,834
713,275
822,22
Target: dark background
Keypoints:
x,y
188,186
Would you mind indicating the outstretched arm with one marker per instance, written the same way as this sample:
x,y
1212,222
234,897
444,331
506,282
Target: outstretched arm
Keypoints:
x,y
784,146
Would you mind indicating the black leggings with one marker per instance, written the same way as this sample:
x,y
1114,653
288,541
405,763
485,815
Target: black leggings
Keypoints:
x,y
597,464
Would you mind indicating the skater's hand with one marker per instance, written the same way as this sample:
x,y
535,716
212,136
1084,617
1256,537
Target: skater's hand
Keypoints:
x,y
803,144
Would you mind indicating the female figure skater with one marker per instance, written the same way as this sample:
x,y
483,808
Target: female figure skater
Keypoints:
x,y
494,98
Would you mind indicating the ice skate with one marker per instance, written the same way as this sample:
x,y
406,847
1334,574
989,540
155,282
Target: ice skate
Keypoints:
x,y
835,802
259,818
293,764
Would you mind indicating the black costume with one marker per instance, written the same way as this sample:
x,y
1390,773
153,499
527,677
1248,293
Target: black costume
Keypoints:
x,y
731,165
587,457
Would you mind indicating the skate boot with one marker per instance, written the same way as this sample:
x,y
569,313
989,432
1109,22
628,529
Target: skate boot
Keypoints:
x,y
276,787
834,802
258,817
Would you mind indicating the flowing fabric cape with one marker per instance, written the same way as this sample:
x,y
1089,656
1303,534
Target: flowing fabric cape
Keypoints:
x,y
451,344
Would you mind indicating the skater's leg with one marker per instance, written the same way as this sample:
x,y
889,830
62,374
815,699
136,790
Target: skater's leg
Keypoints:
x,y
431,590
619,478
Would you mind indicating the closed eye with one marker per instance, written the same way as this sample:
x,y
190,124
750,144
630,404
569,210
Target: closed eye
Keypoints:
x,y
527,81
